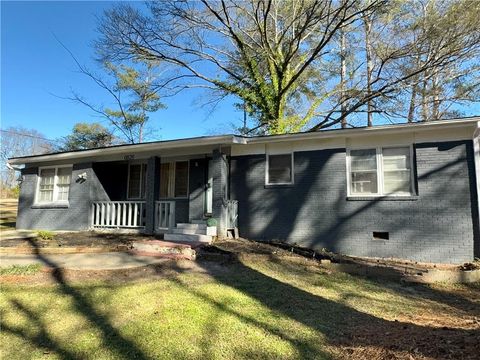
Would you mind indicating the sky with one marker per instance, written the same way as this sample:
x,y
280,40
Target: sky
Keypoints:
x,y
36,71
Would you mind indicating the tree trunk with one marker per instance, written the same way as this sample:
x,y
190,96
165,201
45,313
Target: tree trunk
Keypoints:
x,y
435,98
413,99
343,77
425,112
368,52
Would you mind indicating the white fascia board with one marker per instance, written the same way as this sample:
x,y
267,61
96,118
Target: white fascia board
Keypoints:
x,y
132,149
239,140
375,130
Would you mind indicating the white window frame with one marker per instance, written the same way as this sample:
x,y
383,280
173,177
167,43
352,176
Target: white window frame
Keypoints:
x,y
380,173
55,185
171,179
142,163
267,167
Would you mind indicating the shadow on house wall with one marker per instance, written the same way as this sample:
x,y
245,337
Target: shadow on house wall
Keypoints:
x,y
440,225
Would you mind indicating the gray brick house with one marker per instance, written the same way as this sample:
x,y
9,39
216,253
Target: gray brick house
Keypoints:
x,y
406,191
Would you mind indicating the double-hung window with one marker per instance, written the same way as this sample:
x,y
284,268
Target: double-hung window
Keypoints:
x,y
54,184
380,171
279,169
137,181
174,179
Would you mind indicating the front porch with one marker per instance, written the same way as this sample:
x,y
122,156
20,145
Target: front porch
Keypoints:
x,y
164,195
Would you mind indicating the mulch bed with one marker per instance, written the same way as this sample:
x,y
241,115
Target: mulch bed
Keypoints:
x,y
77,239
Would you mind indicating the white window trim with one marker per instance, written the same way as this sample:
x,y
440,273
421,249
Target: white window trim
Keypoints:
x,y
55,186
267,166
380,173
143,163
171,189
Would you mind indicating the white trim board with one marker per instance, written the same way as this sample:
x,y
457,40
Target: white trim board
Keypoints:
x,y
441,130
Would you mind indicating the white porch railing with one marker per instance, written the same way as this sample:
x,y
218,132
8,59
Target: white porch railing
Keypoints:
x,y
164,215
118,214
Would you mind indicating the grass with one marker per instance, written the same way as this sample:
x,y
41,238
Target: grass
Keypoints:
x,y
259,308
45,235
20,269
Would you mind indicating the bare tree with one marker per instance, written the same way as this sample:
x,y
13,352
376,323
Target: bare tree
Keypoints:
x,y
276,56
444,34
267,53
19,141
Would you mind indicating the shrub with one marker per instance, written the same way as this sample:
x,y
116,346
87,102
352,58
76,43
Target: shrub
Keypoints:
x,y
212,222
45,235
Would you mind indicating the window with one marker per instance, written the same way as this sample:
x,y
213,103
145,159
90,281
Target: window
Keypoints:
x,y
396,170
279,169
63,183
174,179
54,184
363,164
137,181
380,171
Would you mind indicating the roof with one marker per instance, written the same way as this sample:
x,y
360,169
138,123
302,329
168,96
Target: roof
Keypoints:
x,y
238,139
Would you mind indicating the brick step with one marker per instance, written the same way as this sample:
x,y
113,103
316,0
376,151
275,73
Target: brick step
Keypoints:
x,y
166,249
188,238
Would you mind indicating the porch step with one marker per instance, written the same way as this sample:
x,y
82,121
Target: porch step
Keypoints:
x,y
192,226
198,222
165,249
189,231
188,238
195,229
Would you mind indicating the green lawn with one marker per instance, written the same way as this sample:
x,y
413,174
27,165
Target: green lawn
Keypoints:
x,y
20,269
263,307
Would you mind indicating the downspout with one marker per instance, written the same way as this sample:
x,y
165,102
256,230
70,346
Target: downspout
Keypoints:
x,y
476,156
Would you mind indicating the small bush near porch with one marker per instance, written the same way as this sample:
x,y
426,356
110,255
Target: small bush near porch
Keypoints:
x,y
267,305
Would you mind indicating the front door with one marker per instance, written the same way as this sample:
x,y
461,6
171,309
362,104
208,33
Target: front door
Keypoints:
x,y
209,191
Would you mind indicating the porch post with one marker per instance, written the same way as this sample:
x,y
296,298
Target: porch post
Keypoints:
x,y
151,192
219,189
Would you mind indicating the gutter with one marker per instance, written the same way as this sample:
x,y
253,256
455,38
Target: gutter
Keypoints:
x,y
135,148
243,140
377,130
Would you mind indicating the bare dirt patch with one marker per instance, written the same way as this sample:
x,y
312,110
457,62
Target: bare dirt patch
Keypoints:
x,y
8,214
76,239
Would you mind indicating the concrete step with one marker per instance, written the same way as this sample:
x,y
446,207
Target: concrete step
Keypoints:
x,y
192,226
190,231
165,249
198,222
188,238
209,230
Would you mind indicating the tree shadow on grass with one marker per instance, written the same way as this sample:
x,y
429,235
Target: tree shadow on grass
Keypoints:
x,y
41,338
340,324
110,336
334,322
393,283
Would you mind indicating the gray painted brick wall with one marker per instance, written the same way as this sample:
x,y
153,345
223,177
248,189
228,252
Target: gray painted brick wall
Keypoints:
x,y
438,226
74,217
219,167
